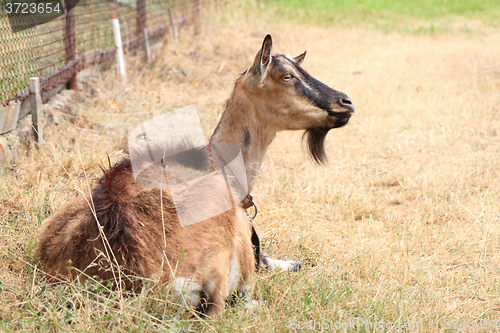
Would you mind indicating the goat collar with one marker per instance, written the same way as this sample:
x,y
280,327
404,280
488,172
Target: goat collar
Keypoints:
x,y
247,203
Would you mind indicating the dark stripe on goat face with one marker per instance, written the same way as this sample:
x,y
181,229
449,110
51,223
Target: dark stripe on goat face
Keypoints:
x,y
320,95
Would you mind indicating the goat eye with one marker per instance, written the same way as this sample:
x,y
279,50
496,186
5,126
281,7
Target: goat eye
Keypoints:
x,y
287,77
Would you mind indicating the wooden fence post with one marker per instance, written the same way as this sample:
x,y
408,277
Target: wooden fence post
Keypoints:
x,y
140,16
36,109
70,45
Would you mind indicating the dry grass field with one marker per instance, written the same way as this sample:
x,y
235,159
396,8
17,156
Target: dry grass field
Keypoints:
x,y
401,227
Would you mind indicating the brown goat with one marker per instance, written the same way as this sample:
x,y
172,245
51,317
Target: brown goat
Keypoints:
x,y
122,224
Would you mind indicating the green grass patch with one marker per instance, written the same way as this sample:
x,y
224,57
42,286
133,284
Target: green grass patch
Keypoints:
x,y
411,16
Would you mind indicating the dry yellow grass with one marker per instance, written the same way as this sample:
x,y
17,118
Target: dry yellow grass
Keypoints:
x,y
401,226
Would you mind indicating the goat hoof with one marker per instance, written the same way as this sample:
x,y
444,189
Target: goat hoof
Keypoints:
x,y
295,266
272,265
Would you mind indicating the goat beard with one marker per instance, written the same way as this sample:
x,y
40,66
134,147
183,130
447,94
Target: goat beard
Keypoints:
x,y
315,143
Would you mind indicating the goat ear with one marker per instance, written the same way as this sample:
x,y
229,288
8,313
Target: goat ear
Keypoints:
x,y
298,59
265,58
261,63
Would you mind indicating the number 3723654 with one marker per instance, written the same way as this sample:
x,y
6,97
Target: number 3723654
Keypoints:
x,y
32,8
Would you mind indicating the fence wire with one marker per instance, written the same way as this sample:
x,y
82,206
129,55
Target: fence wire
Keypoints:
x,y
55,51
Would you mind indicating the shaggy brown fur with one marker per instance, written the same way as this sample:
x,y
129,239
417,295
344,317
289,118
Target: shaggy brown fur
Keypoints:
x,y
131,220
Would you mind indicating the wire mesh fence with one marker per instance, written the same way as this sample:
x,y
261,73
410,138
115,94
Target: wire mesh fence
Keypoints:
x,y
55,51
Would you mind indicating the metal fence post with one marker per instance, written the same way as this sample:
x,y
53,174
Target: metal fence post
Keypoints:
x,y
146,44
172,23
36,109
119,47
70,45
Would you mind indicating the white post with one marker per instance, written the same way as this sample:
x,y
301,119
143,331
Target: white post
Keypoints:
x,y
119,48
36,109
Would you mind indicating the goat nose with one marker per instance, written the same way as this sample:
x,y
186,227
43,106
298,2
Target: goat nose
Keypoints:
x,y
345,101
